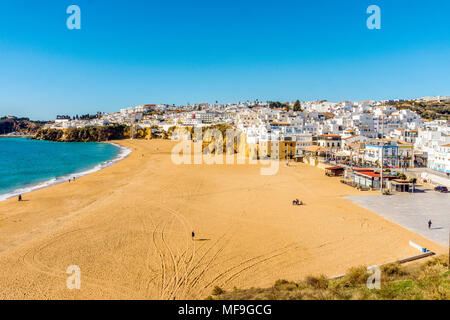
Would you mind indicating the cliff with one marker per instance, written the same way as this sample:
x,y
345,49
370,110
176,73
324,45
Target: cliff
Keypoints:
x,y
88,134
22,126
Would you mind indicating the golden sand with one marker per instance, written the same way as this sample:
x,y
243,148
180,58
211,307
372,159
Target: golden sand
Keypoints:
x,y
128,227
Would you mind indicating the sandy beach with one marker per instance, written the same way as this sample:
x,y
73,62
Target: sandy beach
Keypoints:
x,y
128,227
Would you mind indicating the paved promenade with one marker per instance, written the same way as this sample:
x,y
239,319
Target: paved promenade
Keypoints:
x,y
413,211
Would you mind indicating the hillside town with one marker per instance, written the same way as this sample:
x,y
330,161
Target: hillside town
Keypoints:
x,y
317,132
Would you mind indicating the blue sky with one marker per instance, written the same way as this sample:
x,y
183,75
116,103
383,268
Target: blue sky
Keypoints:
x,y
135,52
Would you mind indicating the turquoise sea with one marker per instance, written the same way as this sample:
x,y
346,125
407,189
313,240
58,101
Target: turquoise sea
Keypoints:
x,y
27,164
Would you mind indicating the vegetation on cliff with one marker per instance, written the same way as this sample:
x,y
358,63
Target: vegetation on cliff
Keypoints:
x,y
86,134
431,110
428,280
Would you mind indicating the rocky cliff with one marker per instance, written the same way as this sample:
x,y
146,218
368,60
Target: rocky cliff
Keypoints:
x,y
88,134
22,126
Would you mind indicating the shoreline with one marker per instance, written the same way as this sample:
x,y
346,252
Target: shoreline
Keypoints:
x,y
124,152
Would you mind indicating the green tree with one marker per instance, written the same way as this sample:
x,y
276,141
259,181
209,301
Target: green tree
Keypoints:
x,y
298,106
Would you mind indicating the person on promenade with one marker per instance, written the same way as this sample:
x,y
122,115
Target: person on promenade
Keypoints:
x,y
429,224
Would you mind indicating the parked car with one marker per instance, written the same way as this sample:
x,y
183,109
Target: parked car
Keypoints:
x,y
442,189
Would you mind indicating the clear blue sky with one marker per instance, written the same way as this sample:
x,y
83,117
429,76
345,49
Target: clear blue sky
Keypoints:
x,y
134,52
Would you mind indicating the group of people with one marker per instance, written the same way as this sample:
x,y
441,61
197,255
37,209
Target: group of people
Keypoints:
x,y
297,202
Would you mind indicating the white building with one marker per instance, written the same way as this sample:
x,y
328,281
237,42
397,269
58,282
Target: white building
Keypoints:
x,y
439,159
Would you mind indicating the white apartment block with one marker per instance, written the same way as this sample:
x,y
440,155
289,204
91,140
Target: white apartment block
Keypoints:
x,y
433,142
439,159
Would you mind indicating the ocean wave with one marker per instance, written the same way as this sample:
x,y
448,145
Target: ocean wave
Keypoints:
x,y
124,152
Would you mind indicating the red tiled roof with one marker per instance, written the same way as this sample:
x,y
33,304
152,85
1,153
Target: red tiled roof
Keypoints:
x,y
334,168
350,137
370,174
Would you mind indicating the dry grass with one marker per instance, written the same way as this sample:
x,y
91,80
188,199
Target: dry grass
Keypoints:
x,y
428,280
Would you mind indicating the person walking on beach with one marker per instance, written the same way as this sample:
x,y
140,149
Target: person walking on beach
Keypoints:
x,y
20,197
193,235
429,224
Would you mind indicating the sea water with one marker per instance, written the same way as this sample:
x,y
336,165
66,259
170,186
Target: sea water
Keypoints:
x,y
27,164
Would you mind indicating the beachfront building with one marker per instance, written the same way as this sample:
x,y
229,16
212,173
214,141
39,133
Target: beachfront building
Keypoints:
x,y
331,143
277,145
439,159
301,142
405,154
370,178
334,171
277,149
373,155
287,147
366,178
431,144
